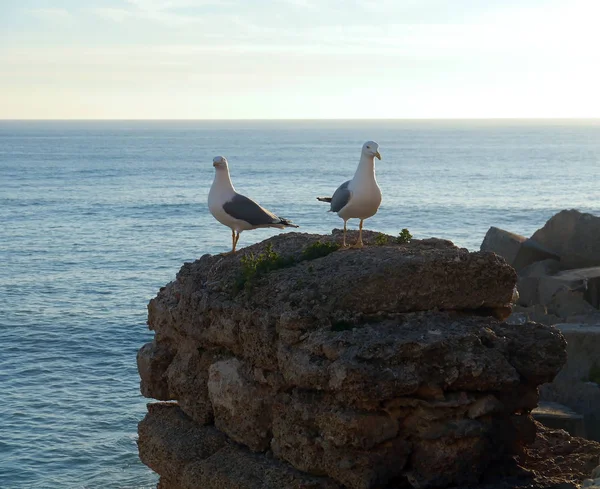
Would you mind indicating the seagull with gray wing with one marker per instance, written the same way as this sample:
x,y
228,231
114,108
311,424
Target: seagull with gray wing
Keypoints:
x,y
237,211
360,197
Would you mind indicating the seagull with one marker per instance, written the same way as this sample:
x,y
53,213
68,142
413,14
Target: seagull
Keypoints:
x,y
237,211
361,196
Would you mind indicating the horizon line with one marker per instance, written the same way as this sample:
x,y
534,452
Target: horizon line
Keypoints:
x,y
567,118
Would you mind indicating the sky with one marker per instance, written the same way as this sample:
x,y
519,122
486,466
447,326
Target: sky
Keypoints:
x,y
299,59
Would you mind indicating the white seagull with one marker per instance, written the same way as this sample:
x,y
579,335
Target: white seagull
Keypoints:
x,y
237,211
360,197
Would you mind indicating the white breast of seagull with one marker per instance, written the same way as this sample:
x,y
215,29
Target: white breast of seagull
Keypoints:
x,y
221,192
365,194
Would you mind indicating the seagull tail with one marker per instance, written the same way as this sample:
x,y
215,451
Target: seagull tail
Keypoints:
x,y
288,224
324,199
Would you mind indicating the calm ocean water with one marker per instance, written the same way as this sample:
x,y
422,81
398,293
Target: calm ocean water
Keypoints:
x,y
96,216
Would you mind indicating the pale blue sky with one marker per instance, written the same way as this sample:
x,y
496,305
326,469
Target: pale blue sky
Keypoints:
x,y
204,59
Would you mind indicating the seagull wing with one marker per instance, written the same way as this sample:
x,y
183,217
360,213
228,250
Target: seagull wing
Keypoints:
x,y
245,209
340,197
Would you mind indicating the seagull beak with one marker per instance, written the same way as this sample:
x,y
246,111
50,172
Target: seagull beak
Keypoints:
x,y
214,164
377,155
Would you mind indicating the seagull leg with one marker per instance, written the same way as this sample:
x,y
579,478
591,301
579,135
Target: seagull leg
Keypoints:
x,y
359,243
344,245
360,226
233,243
237,238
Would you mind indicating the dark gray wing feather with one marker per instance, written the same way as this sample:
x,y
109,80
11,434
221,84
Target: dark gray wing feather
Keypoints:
x,y
340,197
245,209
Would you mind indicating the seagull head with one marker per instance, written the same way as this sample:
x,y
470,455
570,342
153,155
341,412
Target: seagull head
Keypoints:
x,y
371,148
220,162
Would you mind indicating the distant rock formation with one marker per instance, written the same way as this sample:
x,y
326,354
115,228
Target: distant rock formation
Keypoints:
x,y
574,236
558,267
297,366
555,289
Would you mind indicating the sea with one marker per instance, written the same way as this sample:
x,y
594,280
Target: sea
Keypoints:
x,y
96,216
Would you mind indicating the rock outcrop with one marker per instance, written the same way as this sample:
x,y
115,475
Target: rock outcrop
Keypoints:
x,y
297,367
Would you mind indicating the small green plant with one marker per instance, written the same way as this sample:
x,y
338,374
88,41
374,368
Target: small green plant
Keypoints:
x,y
381,239
253,266
319,249
404,236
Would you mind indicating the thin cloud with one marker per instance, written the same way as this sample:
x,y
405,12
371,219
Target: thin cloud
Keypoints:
x,y
54,14
121,15
160,11
166,5
114,14
304,4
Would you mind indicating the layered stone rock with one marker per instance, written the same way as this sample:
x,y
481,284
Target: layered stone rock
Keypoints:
x,y
359,369
188,455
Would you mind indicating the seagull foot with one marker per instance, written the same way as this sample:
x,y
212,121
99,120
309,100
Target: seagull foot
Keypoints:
x,y
227,253
357,245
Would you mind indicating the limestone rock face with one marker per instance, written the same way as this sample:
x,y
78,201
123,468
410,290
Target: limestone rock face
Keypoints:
x,y
169,441
153,360
188,455
242,406
361,369
187,378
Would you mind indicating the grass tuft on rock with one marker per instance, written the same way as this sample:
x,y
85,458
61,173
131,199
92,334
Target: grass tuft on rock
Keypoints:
x,y
319,249
254,266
